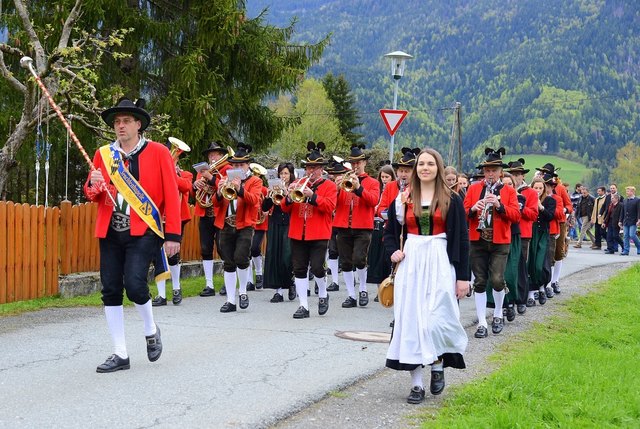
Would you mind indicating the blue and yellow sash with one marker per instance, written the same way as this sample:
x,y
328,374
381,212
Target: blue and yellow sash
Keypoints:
x,y
137,198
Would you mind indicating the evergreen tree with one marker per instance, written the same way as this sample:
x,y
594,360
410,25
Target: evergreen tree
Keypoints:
x,y
344,102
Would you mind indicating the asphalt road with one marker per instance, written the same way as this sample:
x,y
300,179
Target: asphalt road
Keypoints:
x,y
249,369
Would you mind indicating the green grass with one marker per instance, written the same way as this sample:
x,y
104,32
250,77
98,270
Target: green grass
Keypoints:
x,y
578,371
570,172
190,287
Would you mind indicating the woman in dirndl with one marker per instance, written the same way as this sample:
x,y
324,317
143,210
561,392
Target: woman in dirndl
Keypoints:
x,y
278,271
433,273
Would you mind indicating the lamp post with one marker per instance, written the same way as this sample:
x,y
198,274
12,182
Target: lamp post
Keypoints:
x,y
398,59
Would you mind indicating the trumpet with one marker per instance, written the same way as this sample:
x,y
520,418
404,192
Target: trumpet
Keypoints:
x,y
347,184
204,196
297,195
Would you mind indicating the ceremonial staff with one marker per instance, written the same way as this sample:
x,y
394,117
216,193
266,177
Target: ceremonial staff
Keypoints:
x,y
27,63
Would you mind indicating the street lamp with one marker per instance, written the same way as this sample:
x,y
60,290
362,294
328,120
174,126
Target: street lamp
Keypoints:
x,y
398,60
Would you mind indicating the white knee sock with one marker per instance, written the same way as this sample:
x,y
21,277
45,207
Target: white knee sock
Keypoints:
x,y
557,268
333,266
481,308
302,285
208,272
416,377
322,286
115,322
498,298
362,276
175,276
531,295
230,286
162,288
243,278
280,291
257,264
146,312
348,281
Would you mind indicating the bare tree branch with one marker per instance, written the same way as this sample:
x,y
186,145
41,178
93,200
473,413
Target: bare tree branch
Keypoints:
x,y
75,76
100,132
21,8
4,70
68,25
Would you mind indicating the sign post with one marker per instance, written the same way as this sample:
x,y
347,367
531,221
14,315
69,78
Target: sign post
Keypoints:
x,y
392,119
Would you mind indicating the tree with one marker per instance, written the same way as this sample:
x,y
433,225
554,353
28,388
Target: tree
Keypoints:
x,y
317,122
627,169
344,102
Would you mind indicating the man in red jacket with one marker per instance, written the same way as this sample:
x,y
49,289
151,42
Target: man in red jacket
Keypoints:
x,y
529,214
134,184
205,185
354,223
310,228
235,220
403,170
491,208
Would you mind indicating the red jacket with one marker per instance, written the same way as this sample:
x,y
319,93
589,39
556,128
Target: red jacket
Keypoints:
x,y
248,205
529,212
566,200
313,219
507,213
199,210
554,225
265,223
364,199
157,176
389,195
185,187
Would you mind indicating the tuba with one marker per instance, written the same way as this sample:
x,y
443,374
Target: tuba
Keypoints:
x,y
178,147
204,196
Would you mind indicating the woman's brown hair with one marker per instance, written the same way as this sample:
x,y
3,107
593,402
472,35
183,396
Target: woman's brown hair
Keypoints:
x,y
442,193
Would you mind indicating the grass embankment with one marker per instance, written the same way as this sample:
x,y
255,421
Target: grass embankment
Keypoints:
x,y
570,172
578,371
190,287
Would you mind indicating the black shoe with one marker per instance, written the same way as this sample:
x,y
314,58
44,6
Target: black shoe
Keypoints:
x,y
531,302
521,309
154,345
223,291
113,363
349,303
542,298
244,300
250,287
549,292
363,299
416,396
481,332
158,301
177,297
497,325
301,313
292,292
556,288
333,287
277,298
376,299
308,292
316,289
209,291
323,305
609,252
310,276
437,382
511,313
227,307
392,323
259,282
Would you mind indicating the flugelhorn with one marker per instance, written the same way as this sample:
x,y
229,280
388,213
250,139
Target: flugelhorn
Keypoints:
x,y
347,184
297,195
276,191
204,196
228,191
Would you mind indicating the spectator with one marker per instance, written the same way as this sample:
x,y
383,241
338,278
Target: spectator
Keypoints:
x,y
612,219
597,219
630,219
583,212
574,220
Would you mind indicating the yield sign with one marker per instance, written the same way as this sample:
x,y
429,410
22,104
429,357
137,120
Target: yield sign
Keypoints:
x,y
392,119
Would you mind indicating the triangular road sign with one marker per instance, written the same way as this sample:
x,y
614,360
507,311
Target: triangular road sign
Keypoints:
x,y
392,119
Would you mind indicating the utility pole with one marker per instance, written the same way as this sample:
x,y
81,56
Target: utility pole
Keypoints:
x,y
456,130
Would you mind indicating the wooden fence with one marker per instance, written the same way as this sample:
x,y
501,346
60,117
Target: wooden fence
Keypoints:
x,y
39,244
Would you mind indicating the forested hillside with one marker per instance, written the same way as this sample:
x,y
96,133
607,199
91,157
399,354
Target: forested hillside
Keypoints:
x,y
532,75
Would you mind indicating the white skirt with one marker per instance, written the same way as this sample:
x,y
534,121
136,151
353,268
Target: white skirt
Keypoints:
x,y
427,318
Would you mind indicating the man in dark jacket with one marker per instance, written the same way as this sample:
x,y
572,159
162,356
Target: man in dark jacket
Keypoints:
x,y
584,209
611,221
630,219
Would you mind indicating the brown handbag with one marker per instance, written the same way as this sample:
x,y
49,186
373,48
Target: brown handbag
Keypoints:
x,y
385,290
